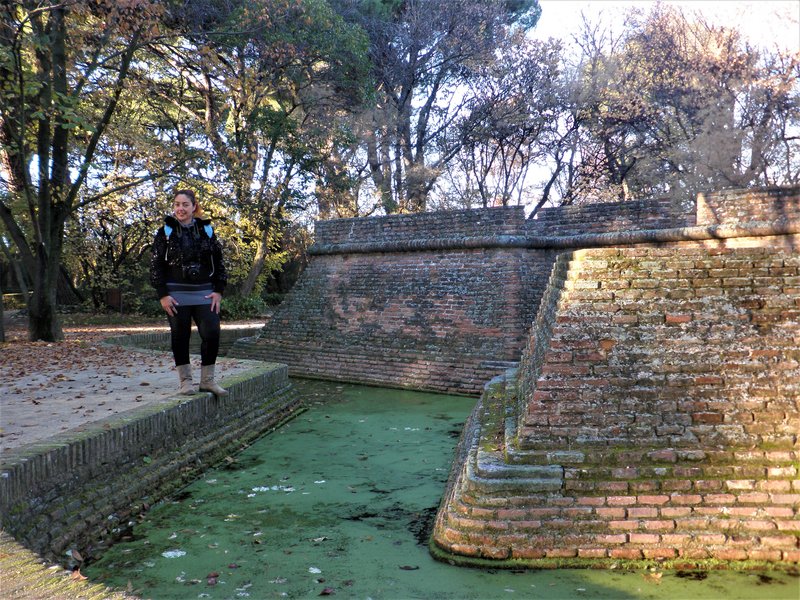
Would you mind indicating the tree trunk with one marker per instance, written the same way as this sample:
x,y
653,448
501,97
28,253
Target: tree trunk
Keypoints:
x,y
249,283
43,323
2,315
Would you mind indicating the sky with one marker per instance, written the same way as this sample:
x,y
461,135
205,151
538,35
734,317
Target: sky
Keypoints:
x,y
764,22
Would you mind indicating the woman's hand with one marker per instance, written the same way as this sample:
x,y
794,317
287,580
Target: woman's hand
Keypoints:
x,y
169,304
216,301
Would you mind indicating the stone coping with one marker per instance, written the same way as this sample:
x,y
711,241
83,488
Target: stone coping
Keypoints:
x,y
589,240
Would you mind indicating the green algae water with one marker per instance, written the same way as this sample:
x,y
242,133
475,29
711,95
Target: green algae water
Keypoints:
x,y
340,502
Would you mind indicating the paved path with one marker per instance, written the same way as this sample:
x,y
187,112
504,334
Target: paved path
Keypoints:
x,y
63,387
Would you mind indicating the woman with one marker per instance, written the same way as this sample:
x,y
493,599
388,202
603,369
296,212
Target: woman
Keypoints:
x,y
188,273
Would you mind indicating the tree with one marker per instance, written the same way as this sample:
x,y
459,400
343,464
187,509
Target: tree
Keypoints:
x,y
262,103
63,69
423,53
513,112
675,106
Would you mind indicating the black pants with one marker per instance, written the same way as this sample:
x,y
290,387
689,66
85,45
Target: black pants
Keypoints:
x,y
180,326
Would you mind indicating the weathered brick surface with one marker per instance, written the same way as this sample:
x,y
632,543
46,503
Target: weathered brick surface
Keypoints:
x,y
741,206
611,217
702,370
438,321
680,414
438,225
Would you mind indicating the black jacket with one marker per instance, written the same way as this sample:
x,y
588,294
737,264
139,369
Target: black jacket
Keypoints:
x,y
189,255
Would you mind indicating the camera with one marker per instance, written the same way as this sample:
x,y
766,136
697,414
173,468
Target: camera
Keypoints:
x,y
193,272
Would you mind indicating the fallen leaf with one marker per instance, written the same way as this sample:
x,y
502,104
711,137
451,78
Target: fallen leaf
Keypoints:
x,y
653,577
327,592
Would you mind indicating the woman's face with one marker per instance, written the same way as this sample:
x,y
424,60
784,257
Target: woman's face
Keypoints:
x,y
183,208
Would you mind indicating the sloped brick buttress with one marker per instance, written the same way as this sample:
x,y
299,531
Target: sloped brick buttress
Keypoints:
x,y
654,416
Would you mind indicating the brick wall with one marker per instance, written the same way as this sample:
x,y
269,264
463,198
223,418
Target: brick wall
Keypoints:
x,y
661,213
425,321
663,348
437,301
742,206
657,411
80,489
450,224
657,416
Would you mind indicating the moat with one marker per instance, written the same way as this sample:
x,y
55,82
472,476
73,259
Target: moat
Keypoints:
x,y
340,501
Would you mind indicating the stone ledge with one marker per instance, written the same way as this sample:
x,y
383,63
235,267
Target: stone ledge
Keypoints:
x,y
755,229
72,490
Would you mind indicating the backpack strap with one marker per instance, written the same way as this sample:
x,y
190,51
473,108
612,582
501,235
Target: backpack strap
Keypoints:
x,y
207,228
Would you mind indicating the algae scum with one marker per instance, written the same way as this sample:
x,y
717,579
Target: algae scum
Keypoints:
x,y
340,501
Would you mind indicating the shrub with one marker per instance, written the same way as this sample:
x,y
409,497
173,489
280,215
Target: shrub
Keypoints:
x,y
235,308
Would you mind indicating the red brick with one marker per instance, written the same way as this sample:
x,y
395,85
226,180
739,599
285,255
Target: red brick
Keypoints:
x,y
793,499
729,554
626,553
659,552
619,538
759,525
528,524
767,555
561,552
642,513
650,525
671,318
592,553
740,484
660,499
676,539
754,498
786,541
610,513
591,500
711,539
675,511
465,550
623,524
707,485
644,538
707,418
778,511
511,513
726,499
742,511
621,500
527,552
686,499
498,553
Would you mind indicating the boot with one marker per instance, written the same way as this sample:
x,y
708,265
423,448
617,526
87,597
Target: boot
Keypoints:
x,y
185,375
207,383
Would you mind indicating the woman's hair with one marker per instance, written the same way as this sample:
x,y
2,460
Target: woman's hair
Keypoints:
x,y
187,193
198,212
